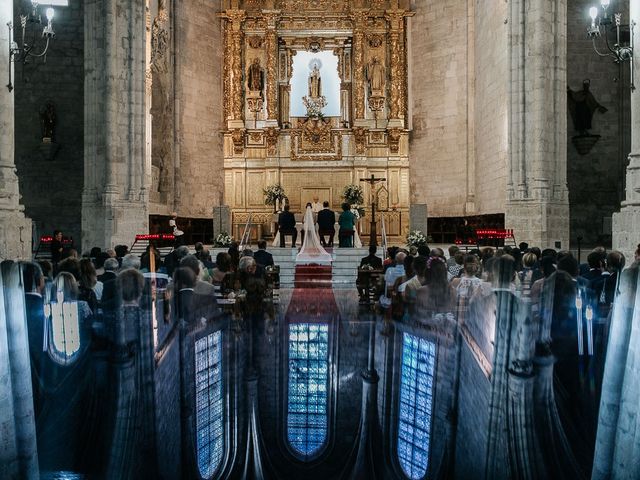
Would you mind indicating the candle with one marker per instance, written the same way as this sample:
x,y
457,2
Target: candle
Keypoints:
x,y
579,322
589,316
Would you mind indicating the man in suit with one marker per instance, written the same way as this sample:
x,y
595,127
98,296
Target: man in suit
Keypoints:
x,y
326,221
287,226
262,257
372,259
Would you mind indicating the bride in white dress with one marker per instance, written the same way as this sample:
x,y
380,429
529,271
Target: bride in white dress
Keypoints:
x,y
312,251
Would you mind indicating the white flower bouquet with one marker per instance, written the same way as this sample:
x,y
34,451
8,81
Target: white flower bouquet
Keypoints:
x,y
223,239
416,239
273,193
353,194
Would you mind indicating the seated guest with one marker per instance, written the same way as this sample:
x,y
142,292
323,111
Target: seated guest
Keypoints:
x,y
347,222
184,281
131,260
605,287
87,284
234,252
145,260
204,294
451,261
424,251
596,260
414,283
466,284
262,257
130,283
70,265
109,300
372,259
326,221
437,295
254,285
222,268
287,226
395,272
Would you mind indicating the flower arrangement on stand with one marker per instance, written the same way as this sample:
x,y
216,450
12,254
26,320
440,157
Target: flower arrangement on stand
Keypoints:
x,y
274,195
223,239
354,196
417,239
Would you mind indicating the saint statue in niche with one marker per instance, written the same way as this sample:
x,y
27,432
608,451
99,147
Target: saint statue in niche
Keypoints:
x,y
256,78
315,80
375,77
582,105
47,121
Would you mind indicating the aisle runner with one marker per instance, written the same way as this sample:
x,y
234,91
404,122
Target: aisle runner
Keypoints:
x,y
312,299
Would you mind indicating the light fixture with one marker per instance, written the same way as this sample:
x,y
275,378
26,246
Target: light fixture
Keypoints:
x,y
622,50
29,24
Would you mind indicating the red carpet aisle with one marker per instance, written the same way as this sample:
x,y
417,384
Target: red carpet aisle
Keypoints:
x,y
312,299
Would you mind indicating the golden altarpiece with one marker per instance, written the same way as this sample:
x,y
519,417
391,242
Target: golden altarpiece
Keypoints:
x,y
315,153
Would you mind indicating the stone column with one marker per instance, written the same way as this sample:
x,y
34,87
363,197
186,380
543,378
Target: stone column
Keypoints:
x,y
15,229
271,47
18,451
397,101
626,223
233,68
359,18
114,200
537,206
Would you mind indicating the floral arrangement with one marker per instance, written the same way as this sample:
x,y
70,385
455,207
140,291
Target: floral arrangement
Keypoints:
x,y
416,239
273,194
353,194
223,239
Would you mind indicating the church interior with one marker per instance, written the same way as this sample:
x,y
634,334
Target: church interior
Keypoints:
x,y
337,239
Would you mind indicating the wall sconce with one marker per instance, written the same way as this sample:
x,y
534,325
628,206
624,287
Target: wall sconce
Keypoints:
x,y
30,24
622,49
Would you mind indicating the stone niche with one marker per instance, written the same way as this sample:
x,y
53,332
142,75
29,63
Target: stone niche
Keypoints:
x,y
315,99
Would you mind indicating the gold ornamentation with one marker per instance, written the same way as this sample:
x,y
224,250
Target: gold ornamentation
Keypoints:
x,y
398,70
255,41
375,40
360,137
233,63
314,138
272,64
314,44
255,138
394,134
297,6
359,25
237,136
271,135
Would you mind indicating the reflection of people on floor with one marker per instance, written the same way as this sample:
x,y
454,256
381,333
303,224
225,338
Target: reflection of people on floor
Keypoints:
x,y
287,226
347,222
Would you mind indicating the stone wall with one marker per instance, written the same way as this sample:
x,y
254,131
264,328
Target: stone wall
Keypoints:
x,y
438,97
52,188
199,158
596,180
490,110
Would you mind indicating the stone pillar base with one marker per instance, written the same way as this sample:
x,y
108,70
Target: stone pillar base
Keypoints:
x,y
540,224
106,226
626,231
15,236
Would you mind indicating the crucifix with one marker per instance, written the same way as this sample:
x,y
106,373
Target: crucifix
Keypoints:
x,y
373,234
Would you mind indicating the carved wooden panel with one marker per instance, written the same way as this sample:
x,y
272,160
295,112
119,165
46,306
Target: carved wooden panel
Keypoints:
x,y
255,184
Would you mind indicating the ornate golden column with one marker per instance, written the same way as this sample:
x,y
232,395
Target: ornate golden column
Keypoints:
x,y
359,18
271,47
398,97
233,65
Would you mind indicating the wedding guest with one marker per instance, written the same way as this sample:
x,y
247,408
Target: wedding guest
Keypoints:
x,y
287,226
347,222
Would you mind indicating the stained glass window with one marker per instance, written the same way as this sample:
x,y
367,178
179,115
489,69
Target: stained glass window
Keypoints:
x,y
65,330
416,402
209,404
308,384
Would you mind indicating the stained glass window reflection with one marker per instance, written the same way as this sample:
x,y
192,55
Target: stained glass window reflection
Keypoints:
x,y
308,384
209,404
65,330
416,402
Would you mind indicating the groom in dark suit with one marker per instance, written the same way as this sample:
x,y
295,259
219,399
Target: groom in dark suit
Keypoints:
x,y
287,226
326,221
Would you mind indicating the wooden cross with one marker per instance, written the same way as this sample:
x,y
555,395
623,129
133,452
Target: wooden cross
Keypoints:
x,y
372,233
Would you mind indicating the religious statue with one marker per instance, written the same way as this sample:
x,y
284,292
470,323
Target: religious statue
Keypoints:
x,y
48,121
315,82
314,102
582,105
375,77
256,77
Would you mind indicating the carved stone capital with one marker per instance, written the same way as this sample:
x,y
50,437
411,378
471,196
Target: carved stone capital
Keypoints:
x,y
393,136
360,138
237,136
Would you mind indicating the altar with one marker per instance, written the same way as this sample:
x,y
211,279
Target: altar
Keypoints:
x,y
315,100
357,243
